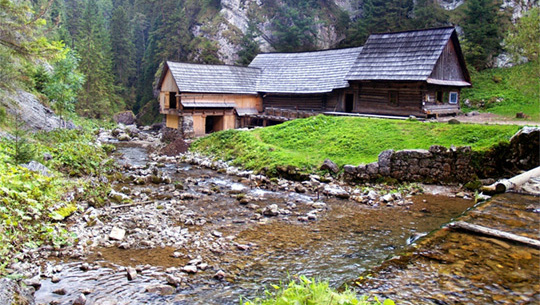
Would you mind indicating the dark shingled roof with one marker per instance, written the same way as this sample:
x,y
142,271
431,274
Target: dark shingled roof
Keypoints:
x,y
408,56
214,78
306,72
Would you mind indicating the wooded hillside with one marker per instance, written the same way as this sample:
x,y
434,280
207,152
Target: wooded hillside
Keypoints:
x,y
110,50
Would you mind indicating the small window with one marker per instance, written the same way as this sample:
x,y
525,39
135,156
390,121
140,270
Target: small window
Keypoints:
x,y
393,98
453,98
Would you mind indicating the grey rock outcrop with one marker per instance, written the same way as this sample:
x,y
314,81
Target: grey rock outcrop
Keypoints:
x,y
35,116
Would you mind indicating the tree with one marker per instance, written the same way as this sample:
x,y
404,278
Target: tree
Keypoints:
x,y
379,16
483,25
22,39
522,40
123,51
98,99
294,30
63,85
250,47
429,14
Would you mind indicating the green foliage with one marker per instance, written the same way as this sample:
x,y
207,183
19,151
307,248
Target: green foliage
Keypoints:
x,y
294,28
32,206
27,199
63,85
305,143
484,25
506,91
98,99
523,38
73,152
21,150
22,40
250,47
310,291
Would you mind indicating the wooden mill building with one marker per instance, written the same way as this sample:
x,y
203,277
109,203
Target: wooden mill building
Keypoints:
x,y
407,73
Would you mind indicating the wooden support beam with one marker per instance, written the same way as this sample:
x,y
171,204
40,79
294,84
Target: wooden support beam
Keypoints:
x,y
461,225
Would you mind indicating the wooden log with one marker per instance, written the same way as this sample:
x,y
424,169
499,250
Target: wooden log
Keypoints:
x,y
495,233
504,185
130,204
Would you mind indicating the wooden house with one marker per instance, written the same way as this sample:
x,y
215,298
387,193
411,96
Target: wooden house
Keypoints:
x,y
406,73
309,81
199,99
410,73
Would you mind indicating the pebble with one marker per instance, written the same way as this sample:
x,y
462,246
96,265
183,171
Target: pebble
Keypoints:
x,y
219,275
80,300
131,273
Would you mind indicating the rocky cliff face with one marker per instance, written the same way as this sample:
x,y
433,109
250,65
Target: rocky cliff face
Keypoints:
x,y
235,16
35,116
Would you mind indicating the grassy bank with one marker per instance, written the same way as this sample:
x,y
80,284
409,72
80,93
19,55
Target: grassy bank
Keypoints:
x,y
305,143
32,205
506,91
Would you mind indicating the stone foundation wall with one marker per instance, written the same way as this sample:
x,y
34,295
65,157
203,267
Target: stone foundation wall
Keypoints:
x,y
436,165
452,165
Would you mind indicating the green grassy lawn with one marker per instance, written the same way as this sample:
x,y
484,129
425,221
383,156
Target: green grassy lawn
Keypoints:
x,y
305,143
506,91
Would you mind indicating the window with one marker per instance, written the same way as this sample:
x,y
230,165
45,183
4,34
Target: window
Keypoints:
x,y
453,98
393,98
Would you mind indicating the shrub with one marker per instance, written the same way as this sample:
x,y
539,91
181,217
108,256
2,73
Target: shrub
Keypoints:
x,y
306,291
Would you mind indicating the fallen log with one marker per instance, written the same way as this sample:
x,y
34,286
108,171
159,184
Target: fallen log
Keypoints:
x,y
461,225
504,185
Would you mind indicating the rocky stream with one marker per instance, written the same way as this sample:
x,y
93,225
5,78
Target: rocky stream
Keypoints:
x,y
188,230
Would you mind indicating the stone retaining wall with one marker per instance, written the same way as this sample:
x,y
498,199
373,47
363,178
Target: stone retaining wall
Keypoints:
x,y
452,165
436,165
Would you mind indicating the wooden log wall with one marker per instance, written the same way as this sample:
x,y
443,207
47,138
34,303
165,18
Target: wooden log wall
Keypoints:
x,y
374,98
300,102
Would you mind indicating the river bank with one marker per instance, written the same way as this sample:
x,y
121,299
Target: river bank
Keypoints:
x,y
184,234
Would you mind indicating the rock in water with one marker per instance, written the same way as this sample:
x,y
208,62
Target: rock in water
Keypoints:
x,y
160,289
271,210
80,300
131,273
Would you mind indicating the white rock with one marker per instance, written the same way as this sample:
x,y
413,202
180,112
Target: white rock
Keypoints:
x,y
117,233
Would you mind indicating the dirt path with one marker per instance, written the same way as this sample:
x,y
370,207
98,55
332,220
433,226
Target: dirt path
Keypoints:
x,y
488,118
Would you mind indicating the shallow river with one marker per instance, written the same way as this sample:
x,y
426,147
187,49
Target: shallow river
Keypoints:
x,y
346,240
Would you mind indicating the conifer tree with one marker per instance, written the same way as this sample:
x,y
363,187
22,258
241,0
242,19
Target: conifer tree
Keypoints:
x,y
484,27
123,51
98,97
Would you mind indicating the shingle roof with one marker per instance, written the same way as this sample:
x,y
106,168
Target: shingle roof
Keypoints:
x,y
214,78
306,72
408,55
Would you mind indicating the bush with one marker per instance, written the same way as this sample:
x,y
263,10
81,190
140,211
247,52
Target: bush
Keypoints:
x,y
306,291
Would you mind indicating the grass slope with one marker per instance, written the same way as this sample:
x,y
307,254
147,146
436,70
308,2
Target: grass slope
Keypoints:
x,y
506,91
305,143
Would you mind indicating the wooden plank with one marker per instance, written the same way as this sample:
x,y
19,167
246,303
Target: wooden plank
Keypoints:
x,y
461,225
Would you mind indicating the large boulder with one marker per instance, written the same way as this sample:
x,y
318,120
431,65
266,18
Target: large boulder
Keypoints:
x,y
330,166
125,117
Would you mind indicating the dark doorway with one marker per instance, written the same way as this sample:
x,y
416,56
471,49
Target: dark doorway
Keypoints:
x,y
349,102
439,97
172,100
209,124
